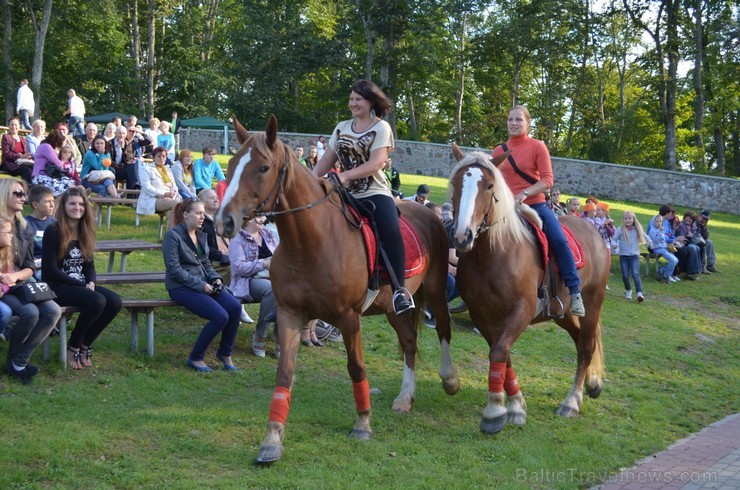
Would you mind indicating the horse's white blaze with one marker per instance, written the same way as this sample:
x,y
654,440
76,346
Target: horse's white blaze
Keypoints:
x,y
234,184
468,193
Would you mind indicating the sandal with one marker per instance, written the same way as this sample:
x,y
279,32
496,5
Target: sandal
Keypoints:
x,y
74,356
86,356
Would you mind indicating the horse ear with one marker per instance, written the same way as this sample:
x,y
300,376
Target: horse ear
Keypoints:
x,y
457,152
242,134
496,161
271,131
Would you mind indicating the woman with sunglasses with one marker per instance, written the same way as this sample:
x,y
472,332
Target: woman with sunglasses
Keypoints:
x,y
35,320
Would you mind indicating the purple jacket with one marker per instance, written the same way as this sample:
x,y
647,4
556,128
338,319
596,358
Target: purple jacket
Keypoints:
x,y
245,261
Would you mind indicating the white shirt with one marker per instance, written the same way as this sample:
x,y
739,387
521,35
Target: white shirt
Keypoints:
x,y
25,100
152,135
76,107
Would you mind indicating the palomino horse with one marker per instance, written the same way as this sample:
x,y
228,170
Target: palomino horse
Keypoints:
x,y
320,271
499,274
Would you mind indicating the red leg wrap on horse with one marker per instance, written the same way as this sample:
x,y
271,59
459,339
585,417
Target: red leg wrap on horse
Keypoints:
x,y
511,384
280,405
496,376
361,392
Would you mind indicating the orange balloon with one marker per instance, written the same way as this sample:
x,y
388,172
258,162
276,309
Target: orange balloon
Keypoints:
x,y
106,162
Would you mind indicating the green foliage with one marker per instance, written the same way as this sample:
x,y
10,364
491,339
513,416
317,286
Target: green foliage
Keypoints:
x,y
586,76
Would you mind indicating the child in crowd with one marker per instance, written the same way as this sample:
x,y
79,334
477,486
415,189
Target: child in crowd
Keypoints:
x,y
42,202
627,239
68,163
574,206
166,140
589,213
604,224
660,247
6,265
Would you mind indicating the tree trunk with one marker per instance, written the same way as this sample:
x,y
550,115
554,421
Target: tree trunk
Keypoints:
x,y
671,161
701,164
413,125
8,60
461,81
210,26
151,55
136,53
38,57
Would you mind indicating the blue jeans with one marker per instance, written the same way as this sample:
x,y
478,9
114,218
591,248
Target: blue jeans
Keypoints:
x,y
560,248
76,126
25,120
35,323
452,291
223,312
5,314
670,268
101,189
631,267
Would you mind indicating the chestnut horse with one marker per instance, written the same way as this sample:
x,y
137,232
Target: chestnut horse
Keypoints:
x,y
499,274
320,271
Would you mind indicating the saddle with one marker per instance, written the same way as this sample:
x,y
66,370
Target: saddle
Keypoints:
x,y
546,302
415,257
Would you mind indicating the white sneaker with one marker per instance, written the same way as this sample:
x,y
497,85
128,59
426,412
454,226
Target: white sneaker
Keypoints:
x,y
676,279
576,305
640,297
671,279
628,294
245,316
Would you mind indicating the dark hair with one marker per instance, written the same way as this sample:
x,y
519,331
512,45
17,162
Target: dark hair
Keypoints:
x,y
92,143
690,214
158,150
37,192
208,149
178,214
372,93
666,209
54,139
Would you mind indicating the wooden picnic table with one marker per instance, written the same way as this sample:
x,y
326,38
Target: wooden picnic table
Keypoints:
x,y
131,278
124,247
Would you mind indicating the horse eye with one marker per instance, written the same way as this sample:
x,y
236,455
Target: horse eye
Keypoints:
x,y
264,169
490,187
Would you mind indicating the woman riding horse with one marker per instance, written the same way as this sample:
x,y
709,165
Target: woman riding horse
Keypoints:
x,y
361,145
528,172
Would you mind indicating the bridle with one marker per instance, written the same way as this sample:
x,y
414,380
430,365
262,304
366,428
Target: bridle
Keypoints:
x,y
277,189
484,226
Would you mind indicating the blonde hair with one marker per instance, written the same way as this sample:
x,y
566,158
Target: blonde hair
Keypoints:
x,y
6,253
641,239
6,193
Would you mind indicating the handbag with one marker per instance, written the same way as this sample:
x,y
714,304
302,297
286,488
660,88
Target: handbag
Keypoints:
x,y
98,176
55,172
32,292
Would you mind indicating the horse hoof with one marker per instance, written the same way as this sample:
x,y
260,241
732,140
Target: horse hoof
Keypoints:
x,y
567,412
494,425
594,391
269,454
519,419
451,386
361,434
400,407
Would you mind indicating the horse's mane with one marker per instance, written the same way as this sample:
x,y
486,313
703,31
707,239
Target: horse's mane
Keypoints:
x,y
259,144
504,223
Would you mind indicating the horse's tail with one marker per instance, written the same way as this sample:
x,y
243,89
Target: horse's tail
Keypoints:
x,y
595,371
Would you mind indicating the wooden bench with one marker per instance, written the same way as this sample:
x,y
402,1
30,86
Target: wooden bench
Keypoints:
x,y
648,256
131,278
124,247
109,202
134,307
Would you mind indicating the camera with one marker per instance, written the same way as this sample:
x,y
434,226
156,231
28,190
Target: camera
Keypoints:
x,y
217,287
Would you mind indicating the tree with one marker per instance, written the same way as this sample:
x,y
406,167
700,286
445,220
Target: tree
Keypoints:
x,y
41,28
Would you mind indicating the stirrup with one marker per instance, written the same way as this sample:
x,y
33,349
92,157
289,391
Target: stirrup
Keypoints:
x,y
400,302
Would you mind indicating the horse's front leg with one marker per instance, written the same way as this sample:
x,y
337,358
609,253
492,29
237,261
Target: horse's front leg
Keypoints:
x,y
289,326
350,328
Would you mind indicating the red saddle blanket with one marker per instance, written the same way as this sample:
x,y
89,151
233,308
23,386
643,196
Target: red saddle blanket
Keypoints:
x,y
575,245
415,258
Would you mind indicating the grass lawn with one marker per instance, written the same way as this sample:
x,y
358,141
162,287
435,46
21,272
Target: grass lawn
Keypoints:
x,y
130,421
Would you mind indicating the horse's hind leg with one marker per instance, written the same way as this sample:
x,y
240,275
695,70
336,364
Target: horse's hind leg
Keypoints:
x,y
406,332
356,367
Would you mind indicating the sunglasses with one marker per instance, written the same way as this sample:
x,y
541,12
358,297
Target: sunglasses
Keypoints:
x,y
19,194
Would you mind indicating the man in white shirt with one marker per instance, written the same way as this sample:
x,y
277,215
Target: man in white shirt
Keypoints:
x,y
76,112
26,105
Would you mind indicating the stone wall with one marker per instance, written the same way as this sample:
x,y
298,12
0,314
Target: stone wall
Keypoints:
x,y
579,177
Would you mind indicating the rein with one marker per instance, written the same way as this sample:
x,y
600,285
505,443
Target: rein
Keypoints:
x,y
278,189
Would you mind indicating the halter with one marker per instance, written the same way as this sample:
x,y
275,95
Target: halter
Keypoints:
x,y
483,227
278,189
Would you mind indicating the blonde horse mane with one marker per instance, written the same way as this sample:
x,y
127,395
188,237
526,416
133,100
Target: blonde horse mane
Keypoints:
x,y
503,220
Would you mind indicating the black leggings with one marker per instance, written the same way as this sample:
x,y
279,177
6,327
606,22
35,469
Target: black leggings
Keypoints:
x,y
386,219
99,308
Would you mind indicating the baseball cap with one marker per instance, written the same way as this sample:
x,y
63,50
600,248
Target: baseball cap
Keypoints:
x,y
705,213
422,190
